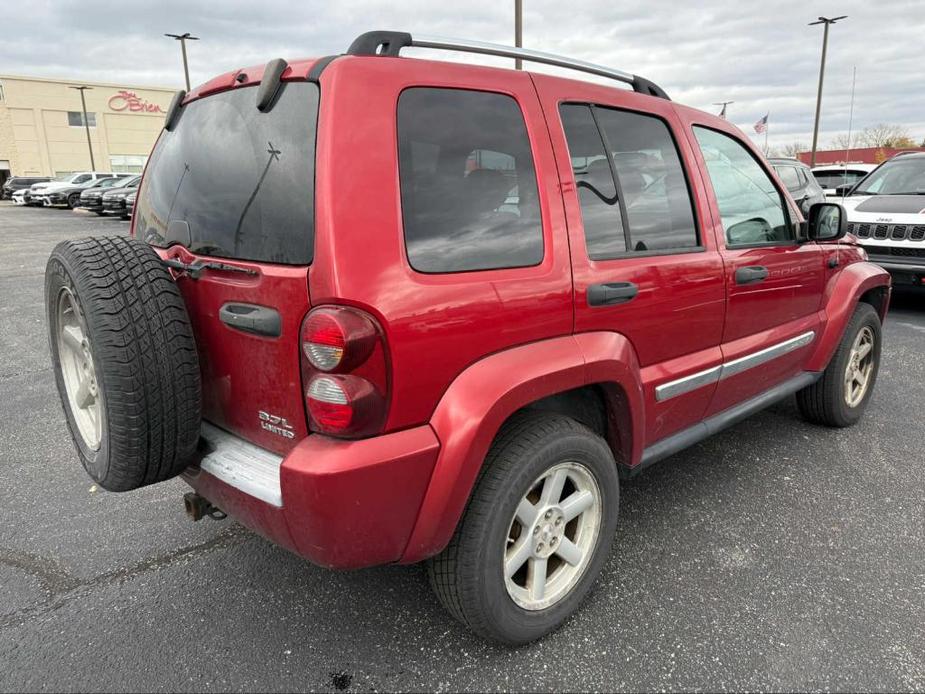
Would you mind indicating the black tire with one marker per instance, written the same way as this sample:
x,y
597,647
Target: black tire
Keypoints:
x,y
824,401
468,575
73,200
101,213
143,354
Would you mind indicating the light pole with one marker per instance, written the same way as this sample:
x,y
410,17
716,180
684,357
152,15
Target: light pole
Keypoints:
x,y
518,30
183,38
825,42
83,104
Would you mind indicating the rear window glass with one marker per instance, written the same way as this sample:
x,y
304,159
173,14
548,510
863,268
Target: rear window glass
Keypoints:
x,y
468,186
232,182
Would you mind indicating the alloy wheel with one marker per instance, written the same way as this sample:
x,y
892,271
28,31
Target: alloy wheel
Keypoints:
x,y
860,367
77,368
552,536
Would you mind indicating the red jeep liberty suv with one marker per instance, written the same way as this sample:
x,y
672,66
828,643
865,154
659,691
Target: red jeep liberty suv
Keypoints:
x,y
382,309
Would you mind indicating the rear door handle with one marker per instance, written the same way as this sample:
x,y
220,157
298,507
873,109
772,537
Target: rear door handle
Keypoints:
x,y
612,293
249,318
751,274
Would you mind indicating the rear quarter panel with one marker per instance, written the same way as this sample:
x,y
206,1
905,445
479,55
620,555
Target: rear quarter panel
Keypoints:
x,y
436,324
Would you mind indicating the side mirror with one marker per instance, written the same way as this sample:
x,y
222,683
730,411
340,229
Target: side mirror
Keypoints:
x,y
827,222
842,190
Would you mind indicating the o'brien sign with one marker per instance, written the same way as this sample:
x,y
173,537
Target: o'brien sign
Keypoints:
x,y
129,101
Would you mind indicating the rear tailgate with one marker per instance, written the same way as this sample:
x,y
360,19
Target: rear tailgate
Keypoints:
x,y
229,190
251,383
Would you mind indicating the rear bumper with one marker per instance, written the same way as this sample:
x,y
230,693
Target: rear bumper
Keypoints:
x,y
340,504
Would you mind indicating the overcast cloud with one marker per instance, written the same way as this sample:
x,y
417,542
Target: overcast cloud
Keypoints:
x,y
762,56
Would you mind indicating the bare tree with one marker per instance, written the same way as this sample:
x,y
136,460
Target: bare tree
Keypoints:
x,y
842,142
791,150
885,135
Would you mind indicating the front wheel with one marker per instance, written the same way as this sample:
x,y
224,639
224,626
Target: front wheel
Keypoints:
x,y
73,200
536,533
839,398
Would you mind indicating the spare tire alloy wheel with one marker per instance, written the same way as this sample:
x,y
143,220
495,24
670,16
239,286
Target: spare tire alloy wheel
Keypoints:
x,y
78,370
551,538
125,360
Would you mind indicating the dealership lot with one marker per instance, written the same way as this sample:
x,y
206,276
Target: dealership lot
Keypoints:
x,y
776,555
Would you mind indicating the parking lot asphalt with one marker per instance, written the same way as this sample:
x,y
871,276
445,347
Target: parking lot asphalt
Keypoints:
x,y
775,556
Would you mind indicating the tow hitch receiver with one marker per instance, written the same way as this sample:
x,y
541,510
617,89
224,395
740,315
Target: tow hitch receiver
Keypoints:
x,y
198,507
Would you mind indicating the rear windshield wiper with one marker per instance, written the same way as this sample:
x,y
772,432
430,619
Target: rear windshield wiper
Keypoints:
x,y
193,270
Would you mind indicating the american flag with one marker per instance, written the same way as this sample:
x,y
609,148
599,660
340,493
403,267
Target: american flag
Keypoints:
x,y
762,124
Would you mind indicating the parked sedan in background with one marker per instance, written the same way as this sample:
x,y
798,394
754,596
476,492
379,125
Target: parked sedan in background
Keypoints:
x,y
66,181
70,195
130,204
798,178
92,198
19,183
114,200
832,176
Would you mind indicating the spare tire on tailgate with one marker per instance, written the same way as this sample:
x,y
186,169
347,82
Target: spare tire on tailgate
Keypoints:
x,y
125,360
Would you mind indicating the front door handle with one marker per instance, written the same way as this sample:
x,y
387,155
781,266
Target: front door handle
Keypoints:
x,y
612,293
751,274
249,318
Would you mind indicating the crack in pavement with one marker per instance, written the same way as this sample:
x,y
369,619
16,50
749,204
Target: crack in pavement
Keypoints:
x,y
61,586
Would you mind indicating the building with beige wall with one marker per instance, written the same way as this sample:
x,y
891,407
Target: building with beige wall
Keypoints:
x,y
42,131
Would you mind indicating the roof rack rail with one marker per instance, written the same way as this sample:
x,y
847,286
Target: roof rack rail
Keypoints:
x,y
390,43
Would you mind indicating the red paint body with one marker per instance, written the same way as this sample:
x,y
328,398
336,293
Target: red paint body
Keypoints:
x,y
467,350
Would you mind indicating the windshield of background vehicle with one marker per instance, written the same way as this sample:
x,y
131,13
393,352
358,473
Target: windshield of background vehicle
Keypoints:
x,y
903,175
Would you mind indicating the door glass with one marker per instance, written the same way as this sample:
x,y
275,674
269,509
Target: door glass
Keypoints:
x,y
789,176
751,207
600,208
652,181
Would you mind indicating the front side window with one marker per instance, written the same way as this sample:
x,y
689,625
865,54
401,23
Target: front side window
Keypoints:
x,y
751,207
647,207
468,185
76,119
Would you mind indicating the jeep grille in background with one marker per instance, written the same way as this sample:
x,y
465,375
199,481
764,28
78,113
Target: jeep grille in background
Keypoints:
x,y
240,179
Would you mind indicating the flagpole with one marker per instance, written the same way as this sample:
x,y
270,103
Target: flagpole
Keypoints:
x,y
767,126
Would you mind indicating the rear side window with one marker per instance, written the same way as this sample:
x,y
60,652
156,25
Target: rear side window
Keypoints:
x,y
790,177
647,206
468,185
232,182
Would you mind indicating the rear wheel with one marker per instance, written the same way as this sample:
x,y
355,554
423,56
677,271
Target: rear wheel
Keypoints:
x,y
839,398
536,533
125,360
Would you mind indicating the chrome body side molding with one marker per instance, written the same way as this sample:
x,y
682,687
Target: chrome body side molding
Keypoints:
x,y
693,381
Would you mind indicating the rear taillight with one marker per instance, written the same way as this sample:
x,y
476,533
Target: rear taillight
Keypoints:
x,y
344,371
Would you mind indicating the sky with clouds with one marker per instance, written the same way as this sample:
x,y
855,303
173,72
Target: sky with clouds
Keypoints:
x,y
762,56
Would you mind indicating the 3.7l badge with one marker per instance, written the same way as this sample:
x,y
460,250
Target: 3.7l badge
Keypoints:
x,y
276,425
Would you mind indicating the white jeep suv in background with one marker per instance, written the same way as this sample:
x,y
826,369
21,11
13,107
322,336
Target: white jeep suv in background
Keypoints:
x,y
831,176
886,211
